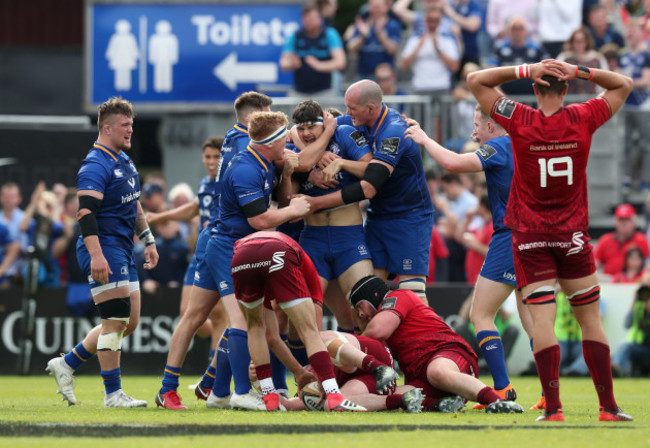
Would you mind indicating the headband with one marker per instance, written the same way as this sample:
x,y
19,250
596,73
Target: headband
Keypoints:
x,y
278,134
318,122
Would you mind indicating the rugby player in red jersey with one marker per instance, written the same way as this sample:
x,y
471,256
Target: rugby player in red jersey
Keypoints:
x,y
548,210
431,355
272,266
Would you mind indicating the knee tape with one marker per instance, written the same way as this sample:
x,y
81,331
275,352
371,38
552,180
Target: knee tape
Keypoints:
x,y
334,347
541,296
417,285
585,296
110,342
115,309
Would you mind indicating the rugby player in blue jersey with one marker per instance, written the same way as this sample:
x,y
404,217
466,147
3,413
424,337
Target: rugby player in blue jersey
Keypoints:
x,y
497,278
245,208
109,216
205,294
400,216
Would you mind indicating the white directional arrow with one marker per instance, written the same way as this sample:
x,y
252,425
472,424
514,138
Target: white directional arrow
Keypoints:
x,y
231,72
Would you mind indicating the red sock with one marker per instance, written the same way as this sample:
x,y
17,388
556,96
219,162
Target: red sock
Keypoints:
x,y
597,358
429,403
263,371
322,365
548,369
393,401
370,362
487,395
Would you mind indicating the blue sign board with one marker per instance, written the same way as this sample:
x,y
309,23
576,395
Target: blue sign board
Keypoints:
x,y
171,54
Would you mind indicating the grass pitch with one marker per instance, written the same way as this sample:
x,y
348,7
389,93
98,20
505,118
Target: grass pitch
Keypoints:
x,y
32,415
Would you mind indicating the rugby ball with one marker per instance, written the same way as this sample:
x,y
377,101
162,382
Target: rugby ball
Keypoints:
x,y
313,397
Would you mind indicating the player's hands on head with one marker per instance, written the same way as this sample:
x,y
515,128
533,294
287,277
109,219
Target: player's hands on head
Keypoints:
x,y
150,257
546,67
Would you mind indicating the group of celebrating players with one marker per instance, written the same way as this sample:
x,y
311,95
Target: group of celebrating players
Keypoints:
x,y
255,289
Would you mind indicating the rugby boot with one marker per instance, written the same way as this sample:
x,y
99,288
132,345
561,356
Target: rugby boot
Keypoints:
x,y
616,415
555,415
119,399
249,401
449,404
507,394
412,401
201,392
385,377
540,405
504,407
64,377
272,402
169,400
215,402
338,403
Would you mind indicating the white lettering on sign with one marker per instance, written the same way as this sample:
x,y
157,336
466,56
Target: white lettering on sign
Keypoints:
x,y
241,31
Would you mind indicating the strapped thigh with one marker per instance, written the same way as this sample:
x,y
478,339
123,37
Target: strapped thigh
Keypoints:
x,y
585,296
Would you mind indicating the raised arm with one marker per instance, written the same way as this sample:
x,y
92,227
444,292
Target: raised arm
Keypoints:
x,y
185,212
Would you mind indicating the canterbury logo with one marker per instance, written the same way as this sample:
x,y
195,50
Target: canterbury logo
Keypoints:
x,y
278,262
578,242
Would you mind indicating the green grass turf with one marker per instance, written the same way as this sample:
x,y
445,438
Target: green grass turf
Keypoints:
x,y
29,406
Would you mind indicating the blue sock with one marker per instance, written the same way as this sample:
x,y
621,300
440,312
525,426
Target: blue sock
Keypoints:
x,y
298,351
77,356
221,386
170,379
208,377
211,355
240,359
112,380
492,349
278,370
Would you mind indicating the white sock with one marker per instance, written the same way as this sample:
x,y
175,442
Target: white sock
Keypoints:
x,y
331,386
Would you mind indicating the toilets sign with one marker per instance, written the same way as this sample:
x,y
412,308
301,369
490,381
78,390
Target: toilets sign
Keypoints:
x,y
169,55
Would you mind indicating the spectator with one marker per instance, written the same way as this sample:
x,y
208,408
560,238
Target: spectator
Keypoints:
x,y
172,263
612,247
432,52
416,19
476,238
327,9
580,51
179,195
11,217
60,192
313,53
468,15
635,63
375,39
9,251
79,300
387,80
635,353
153,197
556,21
601,30
463,109
438,255
633,269
42,226
517,48
499,12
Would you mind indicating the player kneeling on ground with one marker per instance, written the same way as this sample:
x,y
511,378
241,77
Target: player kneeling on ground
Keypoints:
x,y
429,353
270,265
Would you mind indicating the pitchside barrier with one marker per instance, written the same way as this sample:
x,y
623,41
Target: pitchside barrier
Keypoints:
x,y
145,351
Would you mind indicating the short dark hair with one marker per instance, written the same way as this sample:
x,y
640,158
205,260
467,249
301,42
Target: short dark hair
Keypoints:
x,y
451,178
114,106
309,7
555,87
307,111
213,142
334,111
249,102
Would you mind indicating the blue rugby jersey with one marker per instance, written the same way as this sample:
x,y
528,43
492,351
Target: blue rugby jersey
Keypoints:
x,y
115,176
406,190
497,160
235,141
249,176
208,201
350,144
